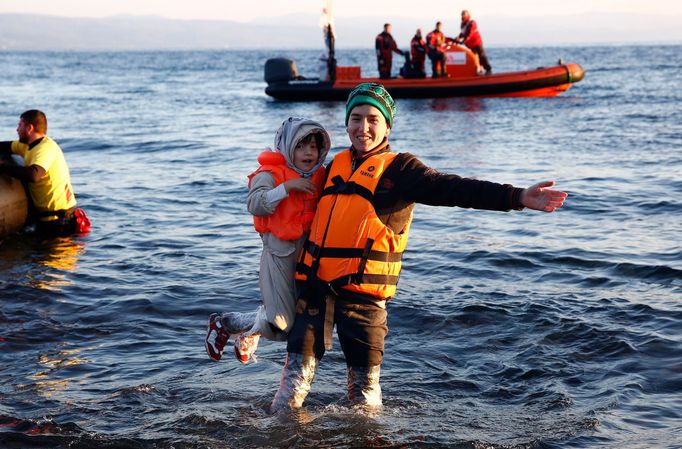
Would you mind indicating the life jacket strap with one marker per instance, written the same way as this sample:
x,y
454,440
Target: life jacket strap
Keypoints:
x,y
352,253
354,278
357,279
348,188
365,254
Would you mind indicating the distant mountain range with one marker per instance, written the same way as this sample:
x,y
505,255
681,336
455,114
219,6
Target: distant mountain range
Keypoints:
x,y
36,32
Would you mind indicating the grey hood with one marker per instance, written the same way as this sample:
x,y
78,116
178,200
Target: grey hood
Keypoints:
x,y
291,132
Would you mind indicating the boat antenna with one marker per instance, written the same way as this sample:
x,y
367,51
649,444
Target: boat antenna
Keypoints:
x,y
327,25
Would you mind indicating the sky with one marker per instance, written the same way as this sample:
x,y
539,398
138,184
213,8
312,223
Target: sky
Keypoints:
x,y
246,11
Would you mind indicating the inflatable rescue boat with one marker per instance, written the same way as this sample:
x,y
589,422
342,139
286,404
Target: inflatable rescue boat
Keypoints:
x,y
463,79
13,206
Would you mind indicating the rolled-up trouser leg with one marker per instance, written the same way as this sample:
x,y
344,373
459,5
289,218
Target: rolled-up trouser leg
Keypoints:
x,y
237,322
363,385
265,328
297,377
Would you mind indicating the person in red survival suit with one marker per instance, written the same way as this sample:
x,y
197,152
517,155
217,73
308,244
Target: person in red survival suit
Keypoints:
x,y
470,36
385,46
435,41
418,52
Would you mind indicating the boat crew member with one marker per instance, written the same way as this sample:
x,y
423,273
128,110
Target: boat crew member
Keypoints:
x,y
47,177
470,37
418,52
435,41
329,59
385,46
351,261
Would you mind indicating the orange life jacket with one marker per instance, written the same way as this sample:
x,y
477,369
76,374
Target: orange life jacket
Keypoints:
x,y
435,40
349,247
293,214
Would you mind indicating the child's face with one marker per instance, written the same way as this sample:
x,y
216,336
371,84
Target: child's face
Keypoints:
x,y
306,155
367,128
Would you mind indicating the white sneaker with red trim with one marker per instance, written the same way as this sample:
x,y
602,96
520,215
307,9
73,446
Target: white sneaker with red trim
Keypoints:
x,y
245,346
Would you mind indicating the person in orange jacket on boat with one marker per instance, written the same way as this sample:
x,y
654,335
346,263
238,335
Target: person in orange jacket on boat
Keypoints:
x,y
435,41
385,46
470,37
418,50
283,195
47,177
350,264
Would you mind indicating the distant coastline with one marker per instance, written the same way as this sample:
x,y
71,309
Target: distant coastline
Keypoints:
x,y
18,32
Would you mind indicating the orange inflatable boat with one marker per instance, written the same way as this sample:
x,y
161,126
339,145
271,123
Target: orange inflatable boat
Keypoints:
x,y
284,82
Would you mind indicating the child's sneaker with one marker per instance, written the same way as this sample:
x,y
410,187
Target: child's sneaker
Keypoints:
x,y
216,337
245,346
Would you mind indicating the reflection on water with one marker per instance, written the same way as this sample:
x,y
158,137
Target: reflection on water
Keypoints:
x,y
47,382
48,266
61,254
66,357
465,104
51,261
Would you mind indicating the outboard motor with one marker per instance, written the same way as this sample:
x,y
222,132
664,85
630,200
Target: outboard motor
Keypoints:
x,y
280,69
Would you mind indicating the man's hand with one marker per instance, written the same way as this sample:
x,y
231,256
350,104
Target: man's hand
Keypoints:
x,y
540,197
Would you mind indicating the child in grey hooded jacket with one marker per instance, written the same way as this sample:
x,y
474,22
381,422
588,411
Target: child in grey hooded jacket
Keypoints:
x,y
283,195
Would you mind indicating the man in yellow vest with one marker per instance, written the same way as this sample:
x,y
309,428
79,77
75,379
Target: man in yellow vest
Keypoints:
x,y
47,176
350,264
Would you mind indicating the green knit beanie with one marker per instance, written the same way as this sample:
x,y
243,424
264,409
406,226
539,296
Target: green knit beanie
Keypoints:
x,y
373,94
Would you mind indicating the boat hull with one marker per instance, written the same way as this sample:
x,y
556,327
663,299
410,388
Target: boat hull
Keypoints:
x,y
543,82
13,206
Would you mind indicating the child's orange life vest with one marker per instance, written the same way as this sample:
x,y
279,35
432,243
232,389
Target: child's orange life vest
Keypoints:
x,y
294,214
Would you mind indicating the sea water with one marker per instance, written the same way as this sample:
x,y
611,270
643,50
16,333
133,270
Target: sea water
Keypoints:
x,y
509,330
